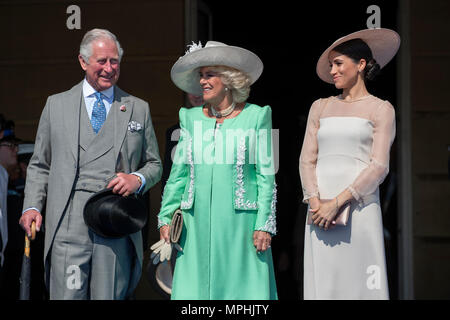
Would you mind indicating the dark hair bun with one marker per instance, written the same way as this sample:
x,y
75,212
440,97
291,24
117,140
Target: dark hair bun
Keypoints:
x,y
372,69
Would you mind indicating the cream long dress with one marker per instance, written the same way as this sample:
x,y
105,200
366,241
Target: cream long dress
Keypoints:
x,y
347,145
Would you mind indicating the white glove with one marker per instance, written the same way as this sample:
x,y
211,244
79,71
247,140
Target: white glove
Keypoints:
x,y
163,251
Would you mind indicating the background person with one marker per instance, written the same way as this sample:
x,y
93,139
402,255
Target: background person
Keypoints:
x,y
15,248
172,137
3,199
8,164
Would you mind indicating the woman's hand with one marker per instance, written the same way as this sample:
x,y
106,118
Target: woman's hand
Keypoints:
x,y
261,240
324,215
314,203
164,233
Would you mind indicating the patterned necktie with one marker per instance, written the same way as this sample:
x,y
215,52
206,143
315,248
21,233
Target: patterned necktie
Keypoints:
x,y
98,113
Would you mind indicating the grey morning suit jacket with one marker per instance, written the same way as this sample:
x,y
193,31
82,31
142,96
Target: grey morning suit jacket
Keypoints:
x,y
52,170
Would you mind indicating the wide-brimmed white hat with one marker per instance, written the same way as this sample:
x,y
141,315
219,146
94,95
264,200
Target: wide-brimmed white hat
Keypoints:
x,y
160,276
383,43
184,72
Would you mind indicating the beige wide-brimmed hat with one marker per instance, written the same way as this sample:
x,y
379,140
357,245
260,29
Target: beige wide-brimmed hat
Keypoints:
x,y
184,72
160,276
383,43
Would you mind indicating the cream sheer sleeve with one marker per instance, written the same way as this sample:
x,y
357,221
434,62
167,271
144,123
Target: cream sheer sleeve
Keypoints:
x,y
308,155
383,136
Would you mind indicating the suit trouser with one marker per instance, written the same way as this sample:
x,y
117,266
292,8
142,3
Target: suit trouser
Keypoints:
x,y
85,265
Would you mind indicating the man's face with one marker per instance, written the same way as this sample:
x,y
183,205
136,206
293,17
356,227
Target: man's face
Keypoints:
x,y
195,100
103,69
8,154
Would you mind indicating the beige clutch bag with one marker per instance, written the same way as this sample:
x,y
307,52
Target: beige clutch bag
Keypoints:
x,y
176,226
341,218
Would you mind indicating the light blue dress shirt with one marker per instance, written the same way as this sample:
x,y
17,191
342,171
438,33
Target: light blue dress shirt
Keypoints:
x,y
90,99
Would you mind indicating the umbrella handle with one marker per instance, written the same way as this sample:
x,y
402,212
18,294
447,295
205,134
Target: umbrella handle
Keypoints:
x,y
27,240
33,230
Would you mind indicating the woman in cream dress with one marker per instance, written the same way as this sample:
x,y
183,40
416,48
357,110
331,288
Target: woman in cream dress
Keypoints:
x,y
345,157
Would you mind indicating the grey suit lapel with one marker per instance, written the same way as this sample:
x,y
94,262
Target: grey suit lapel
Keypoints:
x,y
123,109
87,134
95,145
71,118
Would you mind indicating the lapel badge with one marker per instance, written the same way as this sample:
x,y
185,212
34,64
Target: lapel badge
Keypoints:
x,y
123,108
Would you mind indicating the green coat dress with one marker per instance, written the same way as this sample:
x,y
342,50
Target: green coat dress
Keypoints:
x,y
223,180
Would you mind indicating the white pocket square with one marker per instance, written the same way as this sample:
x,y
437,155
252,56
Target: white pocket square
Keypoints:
x,y
134,126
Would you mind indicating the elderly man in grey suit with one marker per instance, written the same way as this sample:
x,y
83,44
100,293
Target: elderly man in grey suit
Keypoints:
x,y
87,135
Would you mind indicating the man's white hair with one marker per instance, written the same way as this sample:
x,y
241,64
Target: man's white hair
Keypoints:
x,y
93,35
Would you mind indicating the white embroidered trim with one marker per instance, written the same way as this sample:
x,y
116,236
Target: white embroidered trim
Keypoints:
x,y
240,190
188,204
161,223
271,223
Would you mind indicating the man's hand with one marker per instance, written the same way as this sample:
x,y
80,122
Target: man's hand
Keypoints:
x,y
124,184
27,219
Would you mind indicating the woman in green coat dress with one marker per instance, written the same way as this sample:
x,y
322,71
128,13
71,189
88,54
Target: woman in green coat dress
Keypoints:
x,y
223,179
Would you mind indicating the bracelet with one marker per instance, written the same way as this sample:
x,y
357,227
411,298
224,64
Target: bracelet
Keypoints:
x,y
139,179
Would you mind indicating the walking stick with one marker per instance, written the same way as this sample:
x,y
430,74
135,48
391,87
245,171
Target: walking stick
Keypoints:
x,y
25,275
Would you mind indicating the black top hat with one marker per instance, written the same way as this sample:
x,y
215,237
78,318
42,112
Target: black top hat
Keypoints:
x,y
111,215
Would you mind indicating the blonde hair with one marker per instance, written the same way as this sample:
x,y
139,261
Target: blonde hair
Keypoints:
x,y
237,81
